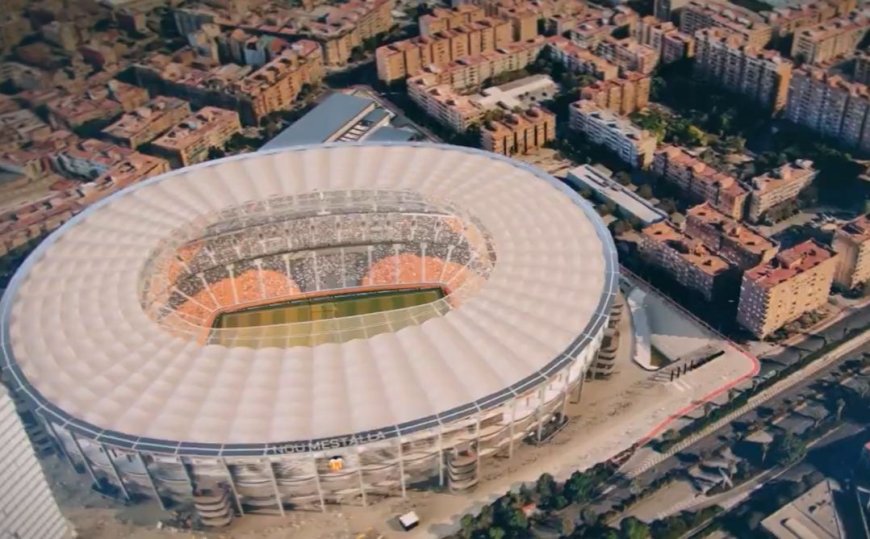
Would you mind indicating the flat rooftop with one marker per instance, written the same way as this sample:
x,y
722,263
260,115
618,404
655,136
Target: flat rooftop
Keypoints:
x,y
599,180
789,263
322,122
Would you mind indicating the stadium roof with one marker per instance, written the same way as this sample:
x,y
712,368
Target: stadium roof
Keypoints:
x,y
78,343
322,122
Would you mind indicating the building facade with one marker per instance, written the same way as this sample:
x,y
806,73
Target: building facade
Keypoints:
x,y
664,37
700,181
622,95
852,245
738,244
28,505
830,105
687,260
699,14
795,282
761,75
633,145
148,122
580,60
519,132
189,142
827,40
778,186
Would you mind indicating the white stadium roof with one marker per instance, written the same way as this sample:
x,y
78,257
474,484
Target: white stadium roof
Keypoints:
x,y
79,344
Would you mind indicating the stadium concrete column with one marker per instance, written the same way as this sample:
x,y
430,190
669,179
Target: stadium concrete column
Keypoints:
x,y
511,426
401,464
440,454
151,480
567,388
233,486
274,479
84,457
187,475
58,441
362,486
115,472
538,415
317,483
479,444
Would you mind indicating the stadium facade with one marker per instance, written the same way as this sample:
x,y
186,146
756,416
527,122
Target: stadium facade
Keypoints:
x,y
108,328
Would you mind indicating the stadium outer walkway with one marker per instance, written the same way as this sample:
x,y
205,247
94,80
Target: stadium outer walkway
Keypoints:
x,y
607,422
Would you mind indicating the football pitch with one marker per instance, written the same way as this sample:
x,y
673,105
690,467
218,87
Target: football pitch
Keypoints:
x,y
266,325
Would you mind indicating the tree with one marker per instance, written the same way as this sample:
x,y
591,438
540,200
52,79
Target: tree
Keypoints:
x,y
579,486
495,533
545,488
645,191
622,177
787,449
633,528
467,526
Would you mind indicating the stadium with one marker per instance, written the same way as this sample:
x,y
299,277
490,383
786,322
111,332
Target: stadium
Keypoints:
x,y
314,325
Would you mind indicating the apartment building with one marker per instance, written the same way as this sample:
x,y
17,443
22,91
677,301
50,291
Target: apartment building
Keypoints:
x,y
700,181
442,19
409,57
628,54
20,127
796,281
699,14
632,144
517,133
665,10
738,244
664,37
277,84
470,74
852,245
622,95
101,103
778,186
346,26
761,75
459,112
189,142
91,158
861,68
687,260
580,60
831,106
830,39
146,123
788,19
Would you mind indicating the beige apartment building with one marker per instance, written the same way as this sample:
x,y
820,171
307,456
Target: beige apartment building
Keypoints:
x,y
780,185
664,37
459,112
519,133
699,14
633,145
147,122
729,238
622,95
788,19
830,105
442,19
188,143
761,75
277,84
700,181
579,60
687,260
796,281
470,74
409,57
628,54
345,26
830,39
852,245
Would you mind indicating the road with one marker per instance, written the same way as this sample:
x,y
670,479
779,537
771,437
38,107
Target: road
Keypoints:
x,y
724,433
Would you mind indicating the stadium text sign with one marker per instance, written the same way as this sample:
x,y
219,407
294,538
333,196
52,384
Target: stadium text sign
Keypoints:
x,y
329,443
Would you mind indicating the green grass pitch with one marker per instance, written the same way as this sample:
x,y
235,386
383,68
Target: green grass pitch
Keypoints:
x,y
324,312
